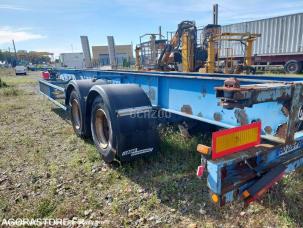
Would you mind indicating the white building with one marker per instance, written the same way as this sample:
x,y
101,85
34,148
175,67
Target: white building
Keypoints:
x,y
72,60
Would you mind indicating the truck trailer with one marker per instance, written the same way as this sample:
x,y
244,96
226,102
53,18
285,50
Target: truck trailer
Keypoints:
x,y
281,41
259,117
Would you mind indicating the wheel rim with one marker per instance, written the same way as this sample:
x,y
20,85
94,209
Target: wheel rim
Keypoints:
x,y
76,114
102,128
292,67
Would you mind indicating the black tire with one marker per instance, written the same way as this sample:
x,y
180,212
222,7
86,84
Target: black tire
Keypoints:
x,y
293,67
122,137
102,131
76,114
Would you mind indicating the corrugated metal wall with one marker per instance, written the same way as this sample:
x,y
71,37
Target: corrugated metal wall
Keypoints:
x,y
279,35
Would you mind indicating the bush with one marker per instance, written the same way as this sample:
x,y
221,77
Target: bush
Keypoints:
x,y
9,91
2,84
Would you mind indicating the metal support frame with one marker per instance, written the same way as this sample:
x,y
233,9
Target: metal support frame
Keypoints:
x,y
51,89
229,177
187,53
248,38
288,94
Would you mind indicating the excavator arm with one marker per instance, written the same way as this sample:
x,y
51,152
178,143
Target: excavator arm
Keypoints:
x,y
174,44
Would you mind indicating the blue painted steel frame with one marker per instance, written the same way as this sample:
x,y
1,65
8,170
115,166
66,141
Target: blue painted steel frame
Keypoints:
x,y
292,156
192,95
49,90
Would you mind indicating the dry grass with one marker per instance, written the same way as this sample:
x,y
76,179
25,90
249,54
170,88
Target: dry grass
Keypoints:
x,y
46,171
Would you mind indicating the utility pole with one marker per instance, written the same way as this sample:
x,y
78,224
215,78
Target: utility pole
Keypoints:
x,y
160,32
8,54
215,14
16,59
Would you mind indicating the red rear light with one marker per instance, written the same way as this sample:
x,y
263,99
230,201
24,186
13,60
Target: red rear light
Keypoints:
x,y
200,170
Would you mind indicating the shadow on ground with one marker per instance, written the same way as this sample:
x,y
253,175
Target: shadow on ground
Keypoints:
x,y
62,114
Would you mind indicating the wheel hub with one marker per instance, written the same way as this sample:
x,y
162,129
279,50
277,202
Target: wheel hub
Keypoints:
x,y
102,128
76,114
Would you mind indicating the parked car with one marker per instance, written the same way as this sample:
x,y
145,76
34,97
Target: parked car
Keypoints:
x,y
20,70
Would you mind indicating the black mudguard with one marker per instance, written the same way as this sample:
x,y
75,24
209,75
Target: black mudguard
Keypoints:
x,y
135,135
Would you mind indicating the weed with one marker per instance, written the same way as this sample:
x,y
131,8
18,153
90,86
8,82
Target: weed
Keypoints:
x,y
9,92
92,154
3,84
45,208
152,202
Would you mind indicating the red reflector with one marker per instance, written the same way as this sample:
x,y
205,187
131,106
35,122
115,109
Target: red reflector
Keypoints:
x,y
232,140
200,170
45,75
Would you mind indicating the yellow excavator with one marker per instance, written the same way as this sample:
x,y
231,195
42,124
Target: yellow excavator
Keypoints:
x,y
171,56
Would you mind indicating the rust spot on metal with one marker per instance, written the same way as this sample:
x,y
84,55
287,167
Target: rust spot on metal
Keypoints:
x,y
200,114
232,83
217,116
282,131
187,109
241,116
268,130
285,111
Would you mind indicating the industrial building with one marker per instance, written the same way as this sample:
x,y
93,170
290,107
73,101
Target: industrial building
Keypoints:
x,y
101,55
72,60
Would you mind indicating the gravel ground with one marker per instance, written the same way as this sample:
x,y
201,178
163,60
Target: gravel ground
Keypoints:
x,y
47,172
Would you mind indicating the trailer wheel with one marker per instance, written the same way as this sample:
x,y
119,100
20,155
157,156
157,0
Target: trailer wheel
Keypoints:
x,y
75,114
101,128
122,123
293,67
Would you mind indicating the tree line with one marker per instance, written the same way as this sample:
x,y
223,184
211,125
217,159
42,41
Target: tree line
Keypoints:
x,y
25,57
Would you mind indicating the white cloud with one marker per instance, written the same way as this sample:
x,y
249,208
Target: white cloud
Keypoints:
x,y
11,7
7,34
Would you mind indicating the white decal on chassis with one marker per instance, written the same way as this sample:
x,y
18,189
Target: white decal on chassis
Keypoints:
x,y
135,151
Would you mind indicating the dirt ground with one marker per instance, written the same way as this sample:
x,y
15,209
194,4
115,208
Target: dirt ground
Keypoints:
x,y
47,172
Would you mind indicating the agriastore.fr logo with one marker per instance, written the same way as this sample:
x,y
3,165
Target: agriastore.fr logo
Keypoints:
x,y
39,222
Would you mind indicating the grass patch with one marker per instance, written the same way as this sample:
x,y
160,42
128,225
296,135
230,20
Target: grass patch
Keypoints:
x,y
10,92
45,208
92,154
25,80
3,84
7,90
3,206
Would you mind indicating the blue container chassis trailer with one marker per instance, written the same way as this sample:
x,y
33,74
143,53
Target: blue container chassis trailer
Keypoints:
x,y
260,120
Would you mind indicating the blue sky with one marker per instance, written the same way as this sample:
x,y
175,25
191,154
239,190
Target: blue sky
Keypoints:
x,y
55,26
